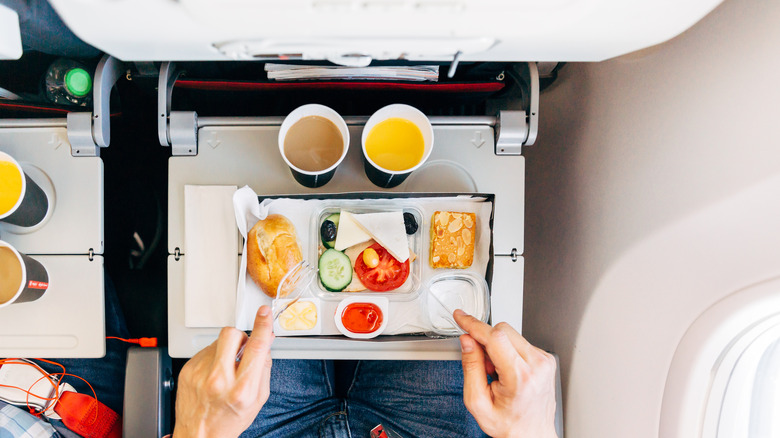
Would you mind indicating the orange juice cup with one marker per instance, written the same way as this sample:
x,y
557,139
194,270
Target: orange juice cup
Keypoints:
x,y
392,147
22,201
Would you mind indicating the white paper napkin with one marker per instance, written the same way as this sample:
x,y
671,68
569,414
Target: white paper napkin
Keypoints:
x,y
211,256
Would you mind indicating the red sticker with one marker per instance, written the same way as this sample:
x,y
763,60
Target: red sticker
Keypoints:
x,y
37,285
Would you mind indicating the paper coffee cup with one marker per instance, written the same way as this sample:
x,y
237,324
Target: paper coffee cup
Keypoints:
x,y
22,278
28,203
387,178
313,177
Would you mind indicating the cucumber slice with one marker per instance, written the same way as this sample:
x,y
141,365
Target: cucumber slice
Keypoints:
x,y
335,219
335,270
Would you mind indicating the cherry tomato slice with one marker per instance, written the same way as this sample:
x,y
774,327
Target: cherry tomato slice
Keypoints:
x,y
389,274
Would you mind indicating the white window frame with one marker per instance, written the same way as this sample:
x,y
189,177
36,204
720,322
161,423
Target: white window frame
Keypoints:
x,y
714,368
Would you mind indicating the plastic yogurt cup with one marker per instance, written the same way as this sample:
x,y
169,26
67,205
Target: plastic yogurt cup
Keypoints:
x,y
455,290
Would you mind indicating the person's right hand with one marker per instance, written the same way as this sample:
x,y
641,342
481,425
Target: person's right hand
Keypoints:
x,y
520,402
220,396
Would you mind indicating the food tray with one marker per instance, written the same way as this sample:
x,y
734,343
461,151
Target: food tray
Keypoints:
x,y
406,315
410,290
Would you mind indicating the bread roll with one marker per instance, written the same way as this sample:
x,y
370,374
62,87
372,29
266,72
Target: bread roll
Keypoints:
x,y
272,250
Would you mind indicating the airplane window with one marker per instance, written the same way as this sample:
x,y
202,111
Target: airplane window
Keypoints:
x,y
724,380
764,420
747,383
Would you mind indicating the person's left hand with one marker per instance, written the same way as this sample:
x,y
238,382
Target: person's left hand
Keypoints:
x,y
219,396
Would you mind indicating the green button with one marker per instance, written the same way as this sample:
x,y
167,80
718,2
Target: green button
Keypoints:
x,y
78,82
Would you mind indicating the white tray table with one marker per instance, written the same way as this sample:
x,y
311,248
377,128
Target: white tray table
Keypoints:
x,y
247,154
69,320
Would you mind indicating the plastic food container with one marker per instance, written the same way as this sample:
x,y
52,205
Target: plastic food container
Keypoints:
x,y
306,310
362,317
411,287
456,290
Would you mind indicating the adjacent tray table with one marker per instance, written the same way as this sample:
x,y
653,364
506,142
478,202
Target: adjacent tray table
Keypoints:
x,y
76,225
69,320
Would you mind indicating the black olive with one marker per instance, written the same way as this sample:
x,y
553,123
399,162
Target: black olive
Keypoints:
x,y
328,231
410,223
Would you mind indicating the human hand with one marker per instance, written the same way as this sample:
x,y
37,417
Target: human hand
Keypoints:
x,y
219,396
521,400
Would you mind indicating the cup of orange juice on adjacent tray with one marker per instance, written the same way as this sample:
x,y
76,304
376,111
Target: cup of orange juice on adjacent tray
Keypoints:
x,y
397,140
22,201
313,141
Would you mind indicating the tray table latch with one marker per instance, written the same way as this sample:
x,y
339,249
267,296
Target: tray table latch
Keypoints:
x,y
88,132
183,130
518,128
177,129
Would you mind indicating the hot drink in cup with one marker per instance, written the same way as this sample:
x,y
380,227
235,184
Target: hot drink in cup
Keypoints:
x,y
22,278
22,201
313,141
397,140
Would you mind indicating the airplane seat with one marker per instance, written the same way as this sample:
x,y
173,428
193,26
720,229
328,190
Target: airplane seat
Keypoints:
x,y
148,386
558,397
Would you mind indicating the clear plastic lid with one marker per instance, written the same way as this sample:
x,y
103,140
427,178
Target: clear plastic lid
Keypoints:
x,y
455,290
408,291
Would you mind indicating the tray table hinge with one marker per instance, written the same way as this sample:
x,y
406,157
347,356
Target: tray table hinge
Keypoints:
x,y
514,255
88,132
183,128
177,129
518,128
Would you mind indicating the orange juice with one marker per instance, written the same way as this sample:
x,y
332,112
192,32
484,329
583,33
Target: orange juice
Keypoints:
x,y
395,144
10,186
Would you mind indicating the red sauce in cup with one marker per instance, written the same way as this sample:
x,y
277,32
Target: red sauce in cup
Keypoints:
x,y
361,317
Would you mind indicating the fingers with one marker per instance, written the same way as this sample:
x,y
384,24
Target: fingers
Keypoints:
x,y
476,392
229,342
497,344
490,368
470,324
518,341
265,380
522,346
258,346
533,356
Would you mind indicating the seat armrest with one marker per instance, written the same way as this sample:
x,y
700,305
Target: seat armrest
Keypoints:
x,y
558,398
148,387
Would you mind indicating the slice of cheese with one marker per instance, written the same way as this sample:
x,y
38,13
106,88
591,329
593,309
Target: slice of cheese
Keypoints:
x,y
388,230
349,233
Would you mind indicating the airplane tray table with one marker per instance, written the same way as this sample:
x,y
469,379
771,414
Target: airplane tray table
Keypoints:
x,y
462,160
75,226
69,320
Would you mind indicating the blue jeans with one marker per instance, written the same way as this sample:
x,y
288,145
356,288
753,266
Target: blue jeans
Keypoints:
x,y
414,398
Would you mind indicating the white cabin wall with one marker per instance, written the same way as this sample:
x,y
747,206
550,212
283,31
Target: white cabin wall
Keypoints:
x,y
652,193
